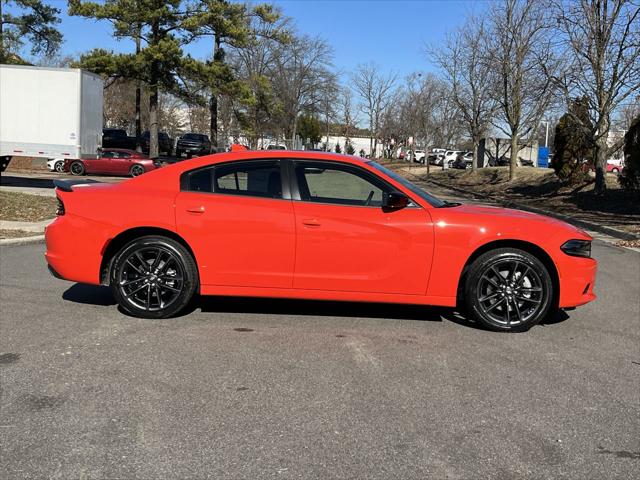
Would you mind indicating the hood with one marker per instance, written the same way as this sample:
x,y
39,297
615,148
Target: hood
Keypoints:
x,y
506,213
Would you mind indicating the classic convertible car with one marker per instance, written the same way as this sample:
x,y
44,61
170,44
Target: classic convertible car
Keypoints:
x,y
312,225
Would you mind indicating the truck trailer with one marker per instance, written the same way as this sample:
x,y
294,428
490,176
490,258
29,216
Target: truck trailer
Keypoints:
x,y
51,113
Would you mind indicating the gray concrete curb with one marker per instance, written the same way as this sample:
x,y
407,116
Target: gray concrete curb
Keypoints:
x,y
613,232
22,240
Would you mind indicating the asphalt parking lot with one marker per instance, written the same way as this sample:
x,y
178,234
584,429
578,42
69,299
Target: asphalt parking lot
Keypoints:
x,y
245,388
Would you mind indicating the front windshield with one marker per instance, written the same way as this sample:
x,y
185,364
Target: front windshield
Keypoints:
x,y
436,202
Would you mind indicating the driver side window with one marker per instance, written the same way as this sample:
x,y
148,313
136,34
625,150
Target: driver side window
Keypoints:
x,y
338,185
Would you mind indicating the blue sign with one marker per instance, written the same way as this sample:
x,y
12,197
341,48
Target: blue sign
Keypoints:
x,y
543,157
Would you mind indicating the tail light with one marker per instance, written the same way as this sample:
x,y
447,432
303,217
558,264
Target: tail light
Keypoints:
x,y
60,207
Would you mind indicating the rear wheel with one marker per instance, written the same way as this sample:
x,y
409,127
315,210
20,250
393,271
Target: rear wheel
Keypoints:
x,y
77,168
59,166
508,289
153,277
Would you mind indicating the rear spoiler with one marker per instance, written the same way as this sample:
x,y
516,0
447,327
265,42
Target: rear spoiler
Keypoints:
x,y
65,185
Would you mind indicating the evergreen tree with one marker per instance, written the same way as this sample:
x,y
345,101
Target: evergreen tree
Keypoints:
x,y
348,147
34,22
338,149
159,25
574,144
630,176
309,128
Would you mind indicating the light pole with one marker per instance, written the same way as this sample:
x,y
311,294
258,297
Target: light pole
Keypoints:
x,y
546,135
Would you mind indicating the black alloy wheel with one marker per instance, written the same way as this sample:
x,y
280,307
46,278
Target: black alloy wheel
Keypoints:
x,y
154,277
508,289
136,170
77,168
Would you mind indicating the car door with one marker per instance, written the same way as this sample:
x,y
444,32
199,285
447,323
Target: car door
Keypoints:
x,y
100,164
347,241
120,164
238,222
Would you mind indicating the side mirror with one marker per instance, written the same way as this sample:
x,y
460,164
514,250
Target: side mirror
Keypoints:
x,y
395,201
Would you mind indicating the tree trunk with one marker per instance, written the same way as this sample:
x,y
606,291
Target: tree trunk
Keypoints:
x,y
153,122
138,96
218,57
513,164
601,163
474,160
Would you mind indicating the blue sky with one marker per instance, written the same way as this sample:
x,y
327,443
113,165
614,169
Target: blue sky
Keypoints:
x,y
390,33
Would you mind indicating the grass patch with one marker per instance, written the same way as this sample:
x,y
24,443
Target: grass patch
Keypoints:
x,y
17,234
23,207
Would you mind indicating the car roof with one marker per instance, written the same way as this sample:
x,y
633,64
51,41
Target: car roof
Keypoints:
x,y
247,155
125,150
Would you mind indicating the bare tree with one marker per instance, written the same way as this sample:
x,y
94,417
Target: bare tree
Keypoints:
x,y
463,63
299,72
347,114
602,40
521,45
375,91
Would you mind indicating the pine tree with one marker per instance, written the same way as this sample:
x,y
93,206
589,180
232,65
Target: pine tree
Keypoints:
x,y
159,25
574,144
338,149
630,175
34,22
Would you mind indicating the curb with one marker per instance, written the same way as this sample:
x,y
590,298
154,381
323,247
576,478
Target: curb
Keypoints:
x,y
612,232
22,240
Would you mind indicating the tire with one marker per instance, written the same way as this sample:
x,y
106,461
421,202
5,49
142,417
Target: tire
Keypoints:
x,y
77,168
526,290
614,171
178,153
136,170
59,166
153,277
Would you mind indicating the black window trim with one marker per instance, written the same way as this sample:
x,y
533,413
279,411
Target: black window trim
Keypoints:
x,y
284,177
381,183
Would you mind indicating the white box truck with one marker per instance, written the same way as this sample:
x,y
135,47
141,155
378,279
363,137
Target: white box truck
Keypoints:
x,y
49,113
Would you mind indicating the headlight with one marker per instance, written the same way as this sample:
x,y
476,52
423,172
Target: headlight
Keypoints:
x,y
577,248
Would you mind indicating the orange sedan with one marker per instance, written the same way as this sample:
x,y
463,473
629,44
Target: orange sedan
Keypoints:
x,y
312,225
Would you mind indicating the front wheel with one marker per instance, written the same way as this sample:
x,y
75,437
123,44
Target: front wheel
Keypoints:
x,y
136,170
508,289
154,277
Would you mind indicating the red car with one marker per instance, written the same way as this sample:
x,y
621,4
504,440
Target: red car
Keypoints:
x,y
312,225
113,161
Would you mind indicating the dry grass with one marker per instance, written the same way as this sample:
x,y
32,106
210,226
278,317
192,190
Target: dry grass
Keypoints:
x,y
26,208
17,234
541,188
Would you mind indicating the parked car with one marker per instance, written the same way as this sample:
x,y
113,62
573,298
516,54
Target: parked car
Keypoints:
x,y
165,143
419,156
117,138
193,143
615,165
113,161
312,225
56,164
435,158
276,147
463,161
450,156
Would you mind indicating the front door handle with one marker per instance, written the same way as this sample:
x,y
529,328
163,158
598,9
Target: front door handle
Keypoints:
x,y
311,222
199,209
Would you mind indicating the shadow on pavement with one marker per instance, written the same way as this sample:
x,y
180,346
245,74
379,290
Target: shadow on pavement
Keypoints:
x,y
89,294
102,296
11,181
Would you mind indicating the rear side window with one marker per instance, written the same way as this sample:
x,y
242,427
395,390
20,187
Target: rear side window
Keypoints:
x,y
254,179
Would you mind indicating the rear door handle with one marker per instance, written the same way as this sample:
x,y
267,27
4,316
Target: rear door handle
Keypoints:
x,y
311,222
199,209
